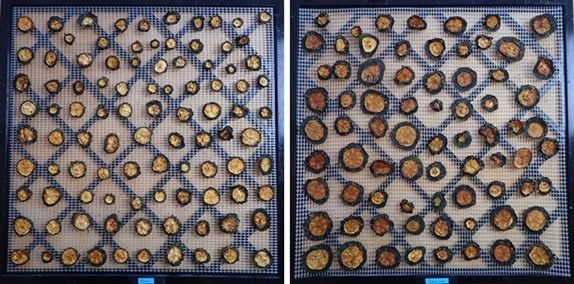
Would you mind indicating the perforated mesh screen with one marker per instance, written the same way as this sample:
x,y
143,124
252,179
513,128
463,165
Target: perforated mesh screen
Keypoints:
x,y
515,23
247,240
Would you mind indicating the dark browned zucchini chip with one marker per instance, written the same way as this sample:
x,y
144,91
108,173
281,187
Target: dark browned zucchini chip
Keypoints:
x,y
22,226
408,106
25,24
527,186
317,190
503,218
352,193
463,49
356,31
174,255
402,49
415,255
352,226
462,109
406,206
434,48
455,25
462,139
483,42
183,196
470,224
204,139
352,255
25,55
471,251
229,223
544,185
47,257
324,72
318,258
21,82
536,127
81,221
353,158
489,103
490,134
405,135
378,126
544,68
29,108
341,69
464,79
437,144
317,99
242,40
464,196
143,227
144,256
441,228
404,76
53,227
527,96
51,58
238,194
436,105
471,166
368,44
171,225
19,257
317,161
53,87
131,169
378,198
435,171
442,254
201,256
210,196
522,158
414,225
202,228
144,25
322,20
381,168
381,224
371,72
415,22
434,82
548,147
112,224
510,49
109,199
388,257
535,219
23,194
341,45
229,255
503,252
86,196
543,25
318,225
55,24
260,219
539,256
496,189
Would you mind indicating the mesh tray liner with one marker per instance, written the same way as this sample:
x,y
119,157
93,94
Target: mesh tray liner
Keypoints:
x,y
247,240
551,108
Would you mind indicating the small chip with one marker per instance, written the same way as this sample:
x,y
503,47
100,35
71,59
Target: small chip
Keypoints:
x,y
51,196
29,108
144,25
499,75
442,254
378,198
384,22
483,42
489,103
435,171
471,251
109,199
264,17
434,48
438,201
137,203
411,168
463,49
23,194
470,224
371,72
226,47
55,24
215,21
84,139
414,225
253,62
171,18
250,137
368,44
352,193
81,221
56,137
496,189
47,257
526,186
102,43
522,158
237,23
211,110
408,105
510,49
462,139
491,22
471,166
176,140
86,196
341,69
51,58
21,83
374,102
322,20
103,173
112,224
503,218
317,99
318,225
437,144
317,190
434,82
490,134
174,255
441,228
131,170
202,228
516,126
230,69
121,25
159,196
381,168
144,256
25,24
341,45
324,72
229,223
53,227
53,87
198,22
183,114
265,112
201,256
203,140
314,130
548,147
168,89
183,197
263,258
544,185
415,22
543,25
544,68
356,31
351,255
112,143
238,194
406,206
102,82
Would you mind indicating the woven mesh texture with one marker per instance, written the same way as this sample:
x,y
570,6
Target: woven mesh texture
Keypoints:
x,y
515,23
247,240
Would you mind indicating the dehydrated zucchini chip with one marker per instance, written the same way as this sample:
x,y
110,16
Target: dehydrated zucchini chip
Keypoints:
x,y
384,22
47,257
381,224
548,147
352,193
527,186
527,96
19,257
171,225
442,254
170,43
435,171
53,227
55,24
25,167
347,100
121,25
441,228
489,103
229,223
378,198
499,75
264,17
238,194
144,25
112,143
210,196
250,137
434,82
463,49
79,87
263,258
23,194
317,190
535,219
25,24
112,224
352,226
51,58
229,255
70,256
171,18
437,144
471,251
536,127
84,139
415,22
77,109
265,164
198,22
455,25
317,161
470,224
522,158
516,126
81,221
374,102
51,196
491,22
543,25
378,126
125,110
324,72
503,218
406,206
87,20
352,255
490,134
411,168
102,43
183,196
388,257
317,99
56,137
21,82
381,168
356,31
143,256
53,87
464,79
371,72
235,166
202,228
405,135
402,49
408,105
203,139
25,55
318,225
253,62
464,196
496,189
414,225
544,68
208,169
341,69
318,258
544,185
22,226
353,158
462,109
27,134
462,139
101,111
344,125
434,48
143,227
471,166
109,199
510,49
211,110
483,42
174,255
404,76
368,44
540,256
131,169
260,219
54,169
415,255
200,255
503,252
341,45
160,164
176,140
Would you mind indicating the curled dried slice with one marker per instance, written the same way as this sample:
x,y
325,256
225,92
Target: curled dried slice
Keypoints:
x,y
415,22
455,25
522,158
381,224
471,166
388,257
544,68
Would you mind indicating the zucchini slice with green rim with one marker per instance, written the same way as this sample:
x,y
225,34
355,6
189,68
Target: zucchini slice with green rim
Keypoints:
x,y
253,62
352,193
435,171
112,143
548,147
381,224
238,194
56,137
235,166
434,48
137,203
405,135
483,42
526,186
496,189
318,225
434,82
544,68
317,190
201,256
344,125
21,83
86,196
324,72
317,161
441,228
415,255
96,257
384,22
535,219
411,168
464,196
84,138
503,218
53,227
318,258
503,252
544,185
263,258
51,58
471,166
464,79
229,255
82,221
535,127
352,226
408,106
437,144
388,257
455,25
77,169
491,22
352,255
371,72
341,69
462,139
208,169
378,198
23,194
261,219
471,251
374,102
229,223
368,44
414,225
543,25
347,99
539,256
353,157
53,87
442,254
510,49
160,164
356,31
489,103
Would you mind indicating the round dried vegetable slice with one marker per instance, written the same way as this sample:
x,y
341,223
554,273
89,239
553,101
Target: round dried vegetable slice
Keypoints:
x,y
539,256
353,158
441,228
352,255
19,257
544,68
378,198
464,196
263,258
371,72
434,48
352,226
437,144
411,168
318,258
22,226
318,225
543,25
510,48
317,161
455,25
442,254
471,251
229,223
535,219
405,135
352,193
522,158
503,218
381,224
414,225
471,166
